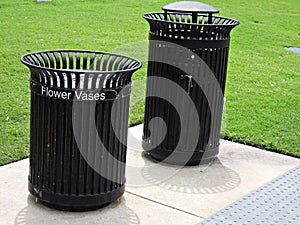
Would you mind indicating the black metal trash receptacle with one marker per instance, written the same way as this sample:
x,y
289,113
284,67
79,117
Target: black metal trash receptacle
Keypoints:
x,y
79,99
193,26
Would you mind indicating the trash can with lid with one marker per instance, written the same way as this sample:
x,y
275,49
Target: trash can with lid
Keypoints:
x,y
192,26
78,127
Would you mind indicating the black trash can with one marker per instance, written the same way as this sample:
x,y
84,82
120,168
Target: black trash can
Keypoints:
x,y
200,71
78,127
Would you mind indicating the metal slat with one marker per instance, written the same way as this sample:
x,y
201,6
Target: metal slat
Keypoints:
x,y
67,148
90,146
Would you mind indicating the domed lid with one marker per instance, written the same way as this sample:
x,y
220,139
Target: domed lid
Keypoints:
x,y
189,6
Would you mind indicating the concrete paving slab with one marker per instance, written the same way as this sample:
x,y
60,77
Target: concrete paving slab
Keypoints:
x,y
205,189
155,193
19,207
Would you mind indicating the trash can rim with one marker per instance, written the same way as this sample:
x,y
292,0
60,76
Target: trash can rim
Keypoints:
x,y
236,22
25,62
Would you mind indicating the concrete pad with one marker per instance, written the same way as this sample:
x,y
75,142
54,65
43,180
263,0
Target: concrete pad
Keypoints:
x,y
155,193
18,207
203,190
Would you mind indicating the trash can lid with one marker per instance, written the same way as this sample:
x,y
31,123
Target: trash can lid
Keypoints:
x,y
189,6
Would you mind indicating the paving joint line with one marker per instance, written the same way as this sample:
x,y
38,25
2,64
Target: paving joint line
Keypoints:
x,y
169,206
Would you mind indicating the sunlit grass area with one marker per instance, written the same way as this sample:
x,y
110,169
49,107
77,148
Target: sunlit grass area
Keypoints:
x,y
262,91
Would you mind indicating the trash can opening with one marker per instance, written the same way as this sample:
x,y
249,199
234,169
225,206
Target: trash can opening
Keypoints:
x,y
182,25
85,61
92,70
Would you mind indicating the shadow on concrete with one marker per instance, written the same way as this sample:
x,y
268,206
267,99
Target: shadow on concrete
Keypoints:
x,y
143,171
36,214
208,178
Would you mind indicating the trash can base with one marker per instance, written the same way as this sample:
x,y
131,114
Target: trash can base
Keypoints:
x,y
179,158
75,203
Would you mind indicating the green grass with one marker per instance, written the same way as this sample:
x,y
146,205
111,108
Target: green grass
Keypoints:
x,y
262,92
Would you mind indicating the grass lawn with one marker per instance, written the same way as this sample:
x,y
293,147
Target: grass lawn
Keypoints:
x,y
262,92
